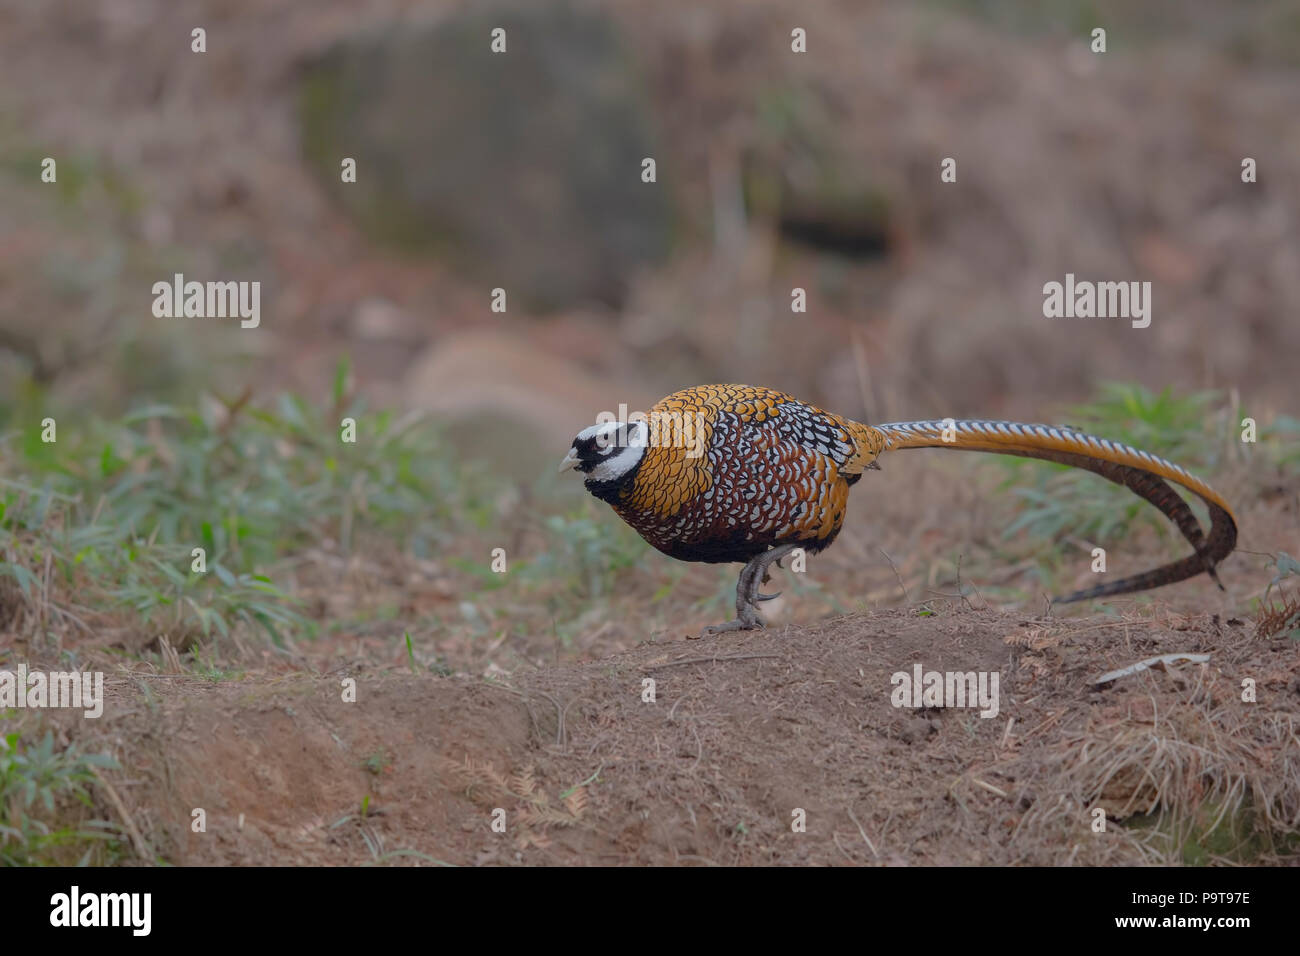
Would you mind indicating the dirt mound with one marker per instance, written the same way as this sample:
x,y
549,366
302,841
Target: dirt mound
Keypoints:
x,y
743,734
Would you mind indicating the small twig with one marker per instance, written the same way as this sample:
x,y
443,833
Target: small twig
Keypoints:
x,y
532,717
961,594
871,846
673,711
988,786
974,587
1163,662
1046,723
72,617
137,839
709,660
135,675
45,592
840,847
896,574
562,732
561,735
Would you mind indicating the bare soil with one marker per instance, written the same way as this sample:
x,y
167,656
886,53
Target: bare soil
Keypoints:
x,y
745,730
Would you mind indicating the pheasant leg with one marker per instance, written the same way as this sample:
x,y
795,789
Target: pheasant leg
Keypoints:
x,y
747,593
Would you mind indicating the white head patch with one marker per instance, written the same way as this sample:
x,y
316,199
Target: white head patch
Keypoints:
x,y
617,460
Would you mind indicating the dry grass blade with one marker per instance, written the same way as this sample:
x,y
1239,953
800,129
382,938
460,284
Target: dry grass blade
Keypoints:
x,y
1275,619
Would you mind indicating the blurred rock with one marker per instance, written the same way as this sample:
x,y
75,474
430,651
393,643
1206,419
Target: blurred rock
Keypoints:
x,y
522,167
504,374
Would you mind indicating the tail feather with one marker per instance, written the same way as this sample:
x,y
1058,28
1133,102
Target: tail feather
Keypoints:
x,y
1143,473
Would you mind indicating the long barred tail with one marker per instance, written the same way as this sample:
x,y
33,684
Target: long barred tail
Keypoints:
x,y
1141,472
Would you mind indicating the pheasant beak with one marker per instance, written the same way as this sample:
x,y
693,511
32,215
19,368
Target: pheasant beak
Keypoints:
x,y
570,461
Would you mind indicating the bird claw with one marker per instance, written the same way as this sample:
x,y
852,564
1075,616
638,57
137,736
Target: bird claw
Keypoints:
x,y
748,621
736,625
729,626
748,595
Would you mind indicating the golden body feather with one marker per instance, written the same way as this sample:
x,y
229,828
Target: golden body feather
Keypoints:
x,y
760,469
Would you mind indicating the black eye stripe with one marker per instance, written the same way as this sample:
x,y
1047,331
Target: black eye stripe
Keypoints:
x,y
602,444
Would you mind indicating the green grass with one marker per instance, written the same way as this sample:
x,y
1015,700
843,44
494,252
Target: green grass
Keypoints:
x,y
592,552
1218,832
1263,32
1282,440
1199,431
116,509
377,763
37,781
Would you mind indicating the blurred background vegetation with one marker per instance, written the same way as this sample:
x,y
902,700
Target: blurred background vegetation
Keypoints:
x,y
522,171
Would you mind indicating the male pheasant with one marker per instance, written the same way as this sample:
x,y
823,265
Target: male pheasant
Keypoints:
x,y
723,473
